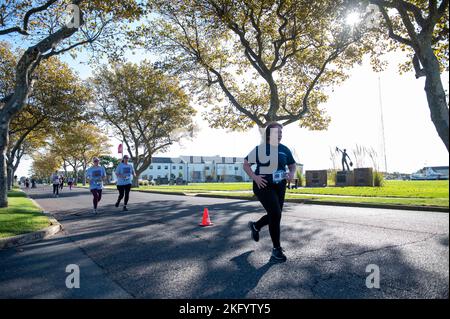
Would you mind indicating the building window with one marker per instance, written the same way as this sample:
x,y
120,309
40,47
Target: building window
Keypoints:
x,y
159,167
207,168
236,168
151,166
166,167
174,167
181,167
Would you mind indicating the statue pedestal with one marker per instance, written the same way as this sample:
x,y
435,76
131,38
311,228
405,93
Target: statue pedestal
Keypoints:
x,y
364,176
345,178
316,178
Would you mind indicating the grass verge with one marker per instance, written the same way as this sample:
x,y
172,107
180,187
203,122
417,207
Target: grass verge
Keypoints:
x,y
21,216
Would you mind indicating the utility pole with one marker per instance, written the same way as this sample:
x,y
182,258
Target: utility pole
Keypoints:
x,y
383,140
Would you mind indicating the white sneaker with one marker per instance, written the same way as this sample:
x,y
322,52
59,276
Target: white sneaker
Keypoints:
x,y
94,211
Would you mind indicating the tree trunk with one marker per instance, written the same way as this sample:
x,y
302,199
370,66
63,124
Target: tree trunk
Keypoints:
x,y
84,175
436,95
4,129
13,177
136,179
65,169
9,177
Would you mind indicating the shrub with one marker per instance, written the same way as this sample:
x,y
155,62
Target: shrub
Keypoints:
x,y
143,183
331,177
300,177
378,179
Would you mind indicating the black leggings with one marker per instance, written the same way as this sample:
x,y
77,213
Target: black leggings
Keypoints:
x,y
272,198
124,189
56,189
97,196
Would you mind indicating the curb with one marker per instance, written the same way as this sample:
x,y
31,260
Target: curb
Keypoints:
x,y
33,237
28,238
248,198
368,205
164,193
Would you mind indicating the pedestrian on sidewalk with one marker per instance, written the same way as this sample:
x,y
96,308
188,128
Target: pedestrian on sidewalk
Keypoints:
x,y
269,183
125,173
95,175
55,180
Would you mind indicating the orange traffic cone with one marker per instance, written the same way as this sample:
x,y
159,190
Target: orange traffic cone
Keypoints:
x,y
206,221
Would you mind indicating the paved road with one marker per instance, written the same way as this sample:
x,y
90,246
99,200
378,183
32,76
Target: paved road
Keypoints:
x,y
157,250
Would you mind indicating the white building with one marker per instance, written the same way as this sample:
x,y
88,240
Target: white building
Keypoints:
x,y
197,169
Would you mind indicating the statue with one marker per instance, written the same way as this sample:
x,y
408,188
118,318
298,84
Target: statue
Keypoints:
x,y
344,159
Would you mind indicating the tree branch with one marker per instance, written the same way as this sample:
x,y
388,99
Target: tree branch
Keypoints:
x,y
233,100
392,34
305,107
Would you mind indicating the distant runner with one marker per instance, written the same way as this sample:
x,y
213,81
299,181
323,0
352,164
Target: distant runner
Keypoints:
x,y
55,181
70,182
61,181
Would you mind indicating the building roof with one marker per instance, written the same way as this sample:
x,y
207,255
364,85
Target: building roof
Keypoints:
x,y
211,159
166,160
439,169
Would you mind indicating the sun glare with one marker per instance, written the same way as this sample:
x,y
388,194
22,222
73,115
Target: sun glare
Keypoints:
x,y
353,18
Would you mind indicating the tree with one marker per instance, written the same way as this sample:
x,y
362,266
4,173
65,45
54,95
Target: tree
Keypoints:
x,y
110,164
422,28
149,115
57,99
272,60
78,144
45,164
33,141
40,26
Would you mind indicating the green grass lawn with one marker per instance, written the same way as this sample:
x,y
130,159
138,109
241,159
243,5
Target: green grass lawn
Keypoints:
x,y
408,189
21,216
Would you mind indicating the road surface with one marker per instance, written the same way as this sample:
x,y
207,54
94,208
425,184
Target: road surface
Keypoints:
x,y
157,250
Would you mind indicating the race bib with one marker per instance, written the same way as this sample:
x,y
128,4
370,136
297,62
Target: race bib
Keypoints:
x,y
97,173
278,176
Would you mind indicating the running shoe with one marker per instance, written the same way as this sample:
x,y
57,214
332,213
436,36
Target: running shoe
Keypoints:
x,y
278,255
255,233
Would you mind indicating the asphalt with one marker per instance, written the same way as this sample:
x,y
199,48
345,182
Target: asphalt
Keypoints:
x,y
157,250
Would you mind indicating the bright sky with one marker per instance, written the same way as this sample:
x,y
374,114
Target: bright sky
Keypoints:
x,y
411,139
